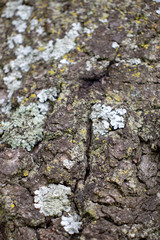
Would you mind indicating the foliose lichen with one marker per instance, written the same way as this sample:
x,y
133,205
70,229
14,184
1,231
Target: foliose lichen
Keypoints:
x,y
104,118
24,128
52,200
71,223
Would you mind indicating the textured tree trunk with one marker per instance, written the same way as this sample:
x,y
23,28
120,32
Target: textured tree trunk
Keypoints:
x,y
79,130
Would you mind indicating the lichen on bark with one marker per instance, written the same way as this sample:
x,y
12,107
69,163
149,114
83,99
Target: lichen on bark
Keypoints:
x,y
79,120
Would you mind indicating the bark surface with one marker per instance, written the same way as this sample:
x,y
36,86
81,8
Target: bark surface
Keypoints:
x,y
79,120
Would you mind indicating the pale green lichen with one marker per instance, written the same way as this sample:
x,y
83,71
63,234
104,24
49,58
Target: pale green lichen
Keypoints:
x,y
24,128
52,200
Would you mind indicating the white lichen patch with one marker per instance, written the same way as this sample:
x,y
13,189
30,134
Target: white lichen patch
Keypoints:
x,y
115,45
93,63
23,60
45,53
24,128
71,223
134,61
14,40
60,48
89,64
23,51
104,118
158,11
43,97
66,44
40,30
25,55
33,24
52,200
47,94
16,8
63,62
43,107
24,12
89,30
20,25
68,163
10,9
103,20
12,82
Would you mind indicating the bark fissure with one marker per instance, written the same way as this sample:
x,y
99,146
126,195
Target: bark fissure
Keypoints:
x,y
89,142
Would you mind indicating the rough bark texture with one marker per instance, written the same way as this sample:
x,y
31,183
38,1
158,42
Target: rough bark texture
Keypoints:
x,y
79,98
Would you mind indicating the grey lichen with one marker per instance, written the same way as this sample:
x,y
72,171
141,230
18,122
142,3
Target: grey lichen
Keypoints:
x,y
24,128
103,118
52,200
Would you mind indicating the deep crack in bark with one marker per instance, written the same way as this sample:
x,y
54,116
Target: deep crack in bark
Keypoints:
x,y
109,66
89,141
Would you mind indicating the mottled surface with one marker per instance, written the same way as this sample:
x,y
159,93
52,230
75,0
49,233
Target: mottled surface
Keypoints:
x,y
91,72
